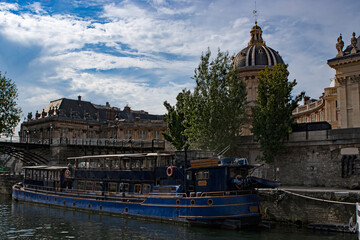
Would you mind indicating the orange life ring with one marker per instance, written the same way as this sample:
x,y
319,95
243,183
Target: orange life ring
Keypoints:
x,y
67,173
170,171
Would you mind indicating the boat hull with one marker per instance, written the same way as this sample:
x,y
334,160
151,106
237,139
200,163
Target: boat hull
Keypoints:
x,y
239,210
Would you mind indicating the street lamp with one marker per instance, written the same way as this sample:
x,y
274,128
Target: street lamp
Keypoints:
x,y
50,135
27,136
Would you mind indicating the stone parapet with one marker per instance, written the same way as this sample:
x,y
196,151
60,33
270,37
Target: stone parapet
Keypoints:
x,y
7,180
312,158
317,206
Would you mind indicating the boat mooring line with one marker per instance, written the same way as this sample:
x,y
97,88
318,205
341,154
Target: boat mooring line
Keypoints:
x,y
317,199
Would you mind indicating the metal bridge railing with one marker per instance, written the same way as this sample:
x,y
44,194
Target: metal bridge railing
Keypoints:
x,y
125,143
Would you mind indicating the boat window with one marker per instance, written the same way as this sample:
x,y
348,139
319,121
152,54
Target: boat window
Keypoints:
x,y
57,176
188,176
133,164
93,163
107,163
100,163
122,164
81,185
202,174
37,175
127,164
137,188
98,187
112,187
82,164
144,164
115,164
146,189
149,163
139,163
206,174
124,187
28,173
89,186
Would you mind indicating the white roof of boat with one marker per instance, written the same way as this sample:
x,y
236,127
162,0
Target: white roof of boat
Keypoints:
x,y
45,167
132,155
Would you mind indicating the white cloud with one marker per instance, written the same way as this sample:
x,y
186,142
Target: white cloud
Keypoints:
x,y
36,7
166,39
8,6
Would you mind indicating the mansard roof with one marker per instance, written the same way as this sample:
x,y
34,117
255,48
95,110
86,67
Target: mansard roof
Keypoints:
x,y
87,111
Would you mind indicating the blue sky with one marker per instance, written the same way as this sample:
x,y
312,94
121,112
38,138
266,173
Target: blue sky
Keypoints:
x,y
141,53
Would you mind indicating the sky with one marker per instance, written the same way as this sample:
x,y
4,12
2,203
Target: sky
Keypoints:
x,y
141,53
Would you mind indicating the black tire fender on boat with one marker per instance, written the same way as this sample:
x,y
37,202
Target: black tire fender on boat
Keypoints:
x,y
170,171
239,184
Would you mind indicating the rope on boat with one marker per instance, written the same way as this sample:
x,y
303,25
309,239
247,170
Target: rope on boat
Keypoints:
x,y
317,199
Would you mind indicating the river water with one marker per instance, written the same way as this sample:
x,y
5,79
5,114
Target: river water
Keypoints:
x,y
23,220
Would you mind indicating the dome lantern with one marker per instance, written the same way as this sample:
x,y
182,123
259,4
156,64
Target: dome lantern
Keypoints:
x,y
256,36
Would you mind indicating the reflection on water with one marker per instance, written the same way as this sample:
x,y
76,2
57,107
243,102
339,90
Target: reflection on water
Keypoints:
x,y
21,220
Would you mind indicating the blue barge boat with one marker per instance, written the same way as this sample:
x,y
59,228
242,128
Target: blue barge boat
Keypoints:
x,y
195,187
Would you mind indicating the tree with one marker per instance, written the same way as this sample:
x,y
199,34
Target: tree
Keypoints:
x,y
175,122
215,112
9,112
272,115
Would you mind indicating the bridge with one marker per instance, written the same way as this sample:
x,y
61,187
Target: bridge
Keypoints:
x,y
57,150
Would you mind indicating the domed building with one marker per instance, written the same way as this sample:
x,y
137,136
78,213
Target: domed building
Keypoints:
x,y
254,58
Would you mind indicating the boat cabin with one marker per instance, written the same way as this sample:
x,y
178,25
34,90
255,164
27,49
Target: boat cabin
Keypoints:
x,y
44,177
142,174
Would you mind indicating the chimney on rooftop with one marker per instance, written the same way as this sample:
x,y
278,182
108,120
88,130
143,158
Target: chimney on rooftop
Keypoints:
x,y
79,99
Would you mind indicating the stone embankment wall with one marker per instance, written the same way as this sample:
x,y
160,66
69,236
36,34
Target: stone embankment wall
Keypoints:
x,y
285,207
314,159
7,180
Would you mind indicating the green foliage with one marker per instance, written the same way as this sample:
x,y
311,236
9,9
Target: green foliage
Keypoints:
x,y
272,115
175,122
9,112
212,116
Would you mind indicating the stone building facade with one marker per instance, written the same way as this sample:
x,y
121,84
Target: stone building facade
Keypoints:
x,y
68,120
340,103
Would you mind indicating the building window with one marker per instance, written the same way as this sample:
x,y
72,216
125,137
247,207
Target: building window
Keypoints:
x,y
128,134
320,116
142,134
157,135
312,117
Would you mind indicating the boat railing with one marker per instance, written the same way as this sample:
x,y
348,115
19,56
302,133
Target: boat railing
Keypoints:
x,y
171,194
224,193
124,197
